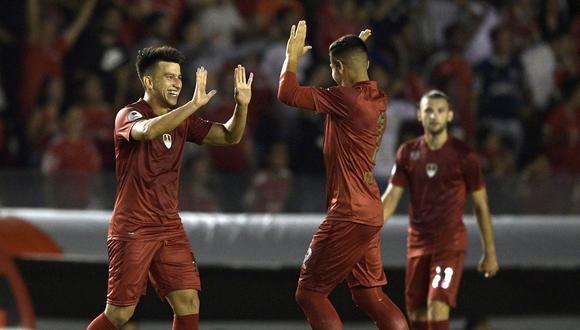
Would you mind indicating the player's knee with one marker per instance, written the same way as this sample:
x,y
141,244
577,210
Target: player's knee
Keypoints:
x,y
419,315
438,310
184,302
119,315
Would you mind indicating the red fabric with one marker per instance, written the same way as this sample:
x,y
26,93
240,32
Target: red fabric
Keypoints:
x,y
186,322
318,310
437,202
39,63
356,118
101,322
168,263
418,325
433,277
439,325
384,313
148,176
563,142
341,251
76,155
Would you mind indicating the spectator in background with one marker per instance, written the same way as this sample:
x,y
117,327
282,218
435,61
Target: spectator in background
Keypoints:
x,y
449,71
221,23
46,47
500,89
98,118
197,194
105,53
271,186
496,156
553,19
562,132
44,120
70,163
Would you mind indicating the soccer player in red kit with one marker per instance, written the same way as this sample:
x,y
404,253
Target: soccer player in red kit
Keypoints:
x,y
347,243
146,236
440,171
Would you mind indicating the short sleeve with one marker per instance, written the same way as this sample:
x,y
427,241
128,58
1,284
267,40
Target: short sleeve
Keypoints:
x,y
399,174
473,175
126,118
197,129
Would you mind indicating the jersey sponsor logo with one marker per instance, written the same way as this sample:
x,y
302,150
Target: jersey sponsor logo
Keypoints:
x,y
431,169
306,257
167,140
415,154
134,115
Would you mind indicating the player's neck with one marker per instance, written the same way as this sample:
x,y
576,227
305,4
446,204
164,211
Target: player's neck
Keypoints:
x,y
355,78
436,141
158,109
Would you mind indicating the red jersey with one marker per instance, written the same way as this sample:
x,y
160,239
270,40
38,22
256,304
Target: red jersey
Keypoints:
x,y
148,175
439,181
356,118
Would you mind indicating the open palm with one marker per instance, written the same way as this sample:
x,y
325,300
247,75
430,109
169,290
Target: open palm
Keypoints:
x,y
242,87
200,97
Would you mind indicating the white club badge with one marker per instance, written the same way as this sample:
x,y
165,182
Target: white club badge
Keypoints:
x,y
431,169
167,140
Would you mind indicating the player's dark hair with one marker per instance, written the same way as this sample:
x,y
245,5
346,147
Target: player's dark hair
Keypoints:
x,y
347,45
148,57
436,94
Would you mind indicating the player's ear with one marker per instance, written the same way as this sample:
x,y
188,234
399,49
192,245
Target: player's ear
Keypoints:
x,y
419,114
450,116
147,82
340,66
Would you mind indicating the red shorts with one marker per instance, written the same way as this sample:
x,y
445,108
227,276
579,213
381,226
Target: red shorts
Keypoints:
x,y
339,251
170,265
433,277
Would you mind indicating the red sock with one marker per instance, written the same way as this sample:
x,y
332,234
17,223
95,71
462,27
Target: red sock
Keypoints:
x,y
384,313
439,325
186,322
419,325
318,310
101,322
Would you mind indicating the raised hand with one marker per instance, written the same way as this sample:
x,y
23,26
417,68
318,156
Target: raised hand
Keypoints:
x,y
295,47
242,88
365,34
200,97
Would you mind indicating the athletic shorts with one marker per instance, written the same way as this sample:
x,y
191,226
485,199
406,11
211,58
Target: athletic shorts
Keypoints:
x,y
169,264
433,277
340,251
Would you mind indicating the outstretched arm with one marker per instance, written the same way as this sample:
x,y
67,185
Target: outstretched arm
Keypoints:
x,y
488,264
289,91
153,128
232,131
391,199
84,16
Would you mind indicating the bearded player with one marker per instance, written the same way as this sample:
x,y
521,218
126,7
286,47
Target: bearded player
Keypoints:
x,y
347,243
440,171
146,237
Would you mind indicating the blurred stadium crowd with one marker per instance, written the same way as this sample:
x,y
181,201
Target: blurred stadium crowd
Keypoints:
x,y
511,69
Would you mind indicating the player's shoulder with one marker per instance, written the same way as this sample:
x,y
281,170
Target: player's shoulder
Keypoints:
x,y
412,144
461,148
136,110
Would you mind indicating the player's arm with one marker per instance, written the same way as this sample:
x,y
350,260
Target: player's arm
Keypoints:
x,y
153,128
232,131
289,91
488,264
84,16
391,199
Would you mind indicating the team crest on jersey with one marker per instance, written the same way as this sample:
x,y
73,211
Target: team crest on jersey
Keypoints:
x,y
167,140
415,154
134,115
306,257
431,169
